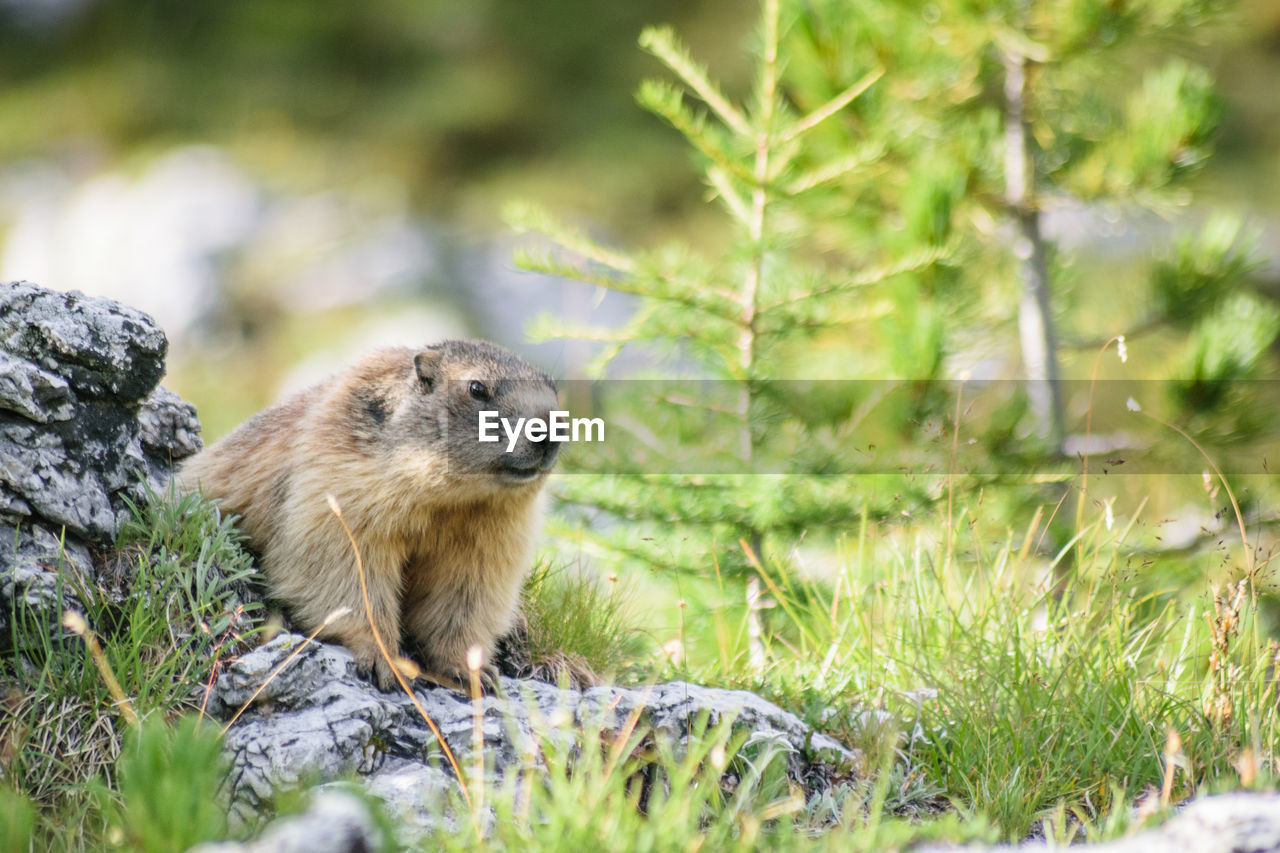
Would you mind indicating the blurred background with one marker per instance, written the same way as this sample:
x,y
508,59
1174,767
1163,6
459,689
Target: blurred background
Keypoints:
x,y
284,184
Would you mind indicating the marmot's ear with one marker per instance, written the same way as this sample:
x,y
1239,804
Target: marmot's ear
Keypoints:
x,y
427,364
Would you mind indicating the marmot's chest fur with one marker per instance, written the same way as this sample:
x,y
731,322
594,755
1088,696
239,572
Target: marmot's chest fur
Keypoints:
x,y
445,523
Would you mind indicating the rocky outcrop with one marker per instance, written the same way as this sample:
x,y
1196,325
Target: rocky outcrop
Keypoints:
x,y
82,423
317,720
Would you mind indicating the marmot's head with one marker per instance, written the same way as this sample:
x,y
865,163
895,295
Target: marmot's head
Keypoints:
x,y
456,381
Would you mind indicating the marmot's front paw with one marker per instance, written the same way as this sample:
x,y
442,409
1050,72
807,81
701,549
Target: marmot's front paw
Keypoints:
x,y
488,679
375,668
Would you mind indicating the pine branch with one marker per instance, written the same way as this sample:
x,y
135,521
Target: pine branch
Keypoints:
x,y
815,317
831,107
526,217
662,554
546,327
727,501
734,202
667,102
599,366
911,263
836,169
691,403
662,43
654,286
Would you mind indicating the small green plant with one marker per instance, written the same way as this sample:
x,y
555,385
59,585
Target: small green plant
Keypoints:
x,y
194,552
573,626
167,782
17,820
743,315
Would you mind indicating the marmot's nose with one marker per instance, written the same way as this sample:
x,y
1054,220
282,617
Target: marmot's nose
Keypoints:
x,y
546,449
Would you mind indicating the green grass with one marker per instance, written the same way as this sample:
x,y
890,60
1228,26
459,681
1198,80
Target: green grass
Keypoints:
x,y
574,627
1032,697
996,693
167,783
636,794
163,613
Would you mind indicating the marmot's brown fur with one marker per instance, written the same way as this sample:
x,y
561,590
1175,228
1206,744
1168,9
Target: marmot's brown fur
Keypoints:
x,y
445,523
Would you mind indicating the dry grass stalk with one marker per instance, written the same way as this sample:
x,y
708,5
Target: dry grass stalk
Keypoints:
x,y
1224,624
395,664
75,622
475,656
755,643
1172,746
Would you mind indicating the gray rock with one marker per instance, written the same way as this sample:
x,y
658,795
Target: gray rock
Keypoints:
x,y
316,720
404,787
44,576
101,347
1231,822
81,418
81,424
67,473
1227,823
334,822
169,432
32,392
11,506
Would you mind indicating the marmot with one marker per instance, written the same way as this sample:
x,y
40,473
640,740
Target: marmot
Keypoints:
x,y
445,523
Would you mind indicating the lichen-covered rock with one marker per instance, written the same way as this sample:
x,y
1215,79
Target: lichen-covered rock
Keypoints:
x,y
169,432
100,347
33,392
81,422
316,720
81,418
68,473
41,573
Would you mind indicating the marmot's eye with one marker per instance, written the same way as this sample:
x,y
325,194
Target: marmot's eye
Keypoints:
x,y
478,390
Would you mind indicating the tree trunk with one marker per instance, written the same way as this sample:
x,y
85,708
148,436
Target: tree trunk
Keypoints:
x,y
1035,318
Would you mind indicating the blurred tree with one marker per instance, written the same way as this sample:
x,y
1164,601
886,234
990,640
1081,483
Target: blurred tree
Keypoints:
x,y
726,468
1006,110
881,225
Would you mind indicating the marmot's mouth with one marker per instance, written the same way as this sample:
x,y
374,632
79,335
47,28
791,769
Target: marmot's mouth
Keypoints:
x,y
521,475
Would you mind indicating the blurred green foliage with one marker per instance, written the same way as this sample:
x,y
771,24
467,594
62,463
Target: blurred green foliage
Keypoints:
x,y
440,96
167,783
864,183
